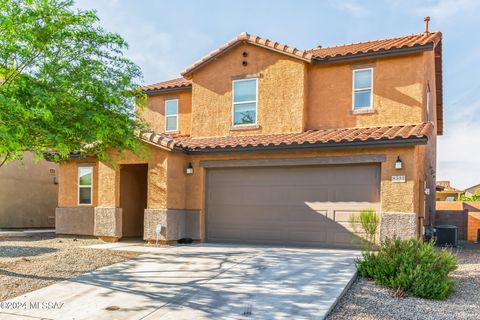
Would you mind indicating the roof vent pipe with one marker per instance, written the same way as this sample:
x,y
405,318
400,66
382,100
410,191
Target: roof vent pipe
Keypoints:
x,y
427,20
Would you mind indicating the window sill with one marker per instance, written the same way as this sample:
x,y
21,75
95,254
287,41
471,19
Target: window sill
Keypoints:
x,y
245,127
364,111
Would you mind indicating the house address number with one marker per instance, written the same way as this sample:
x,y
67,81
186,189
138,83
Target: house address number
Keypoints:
x,y
398,179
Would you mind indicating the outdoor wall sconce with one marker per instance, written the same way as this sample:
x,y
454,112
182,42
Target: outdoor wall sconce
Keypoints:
x,y
398,163
189,169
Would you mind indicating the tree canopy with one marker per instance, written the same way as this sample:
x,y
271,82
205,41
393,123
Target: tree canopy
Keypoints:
x,y
65,83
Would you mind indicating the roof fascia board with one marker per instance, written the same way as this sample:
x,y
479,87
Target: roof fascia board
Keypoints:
x,y
230,47
167,90
237,43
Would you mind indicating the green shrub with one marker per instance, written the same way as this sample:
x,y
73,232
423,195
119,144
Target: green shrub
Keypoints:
x,y
410,266
368,221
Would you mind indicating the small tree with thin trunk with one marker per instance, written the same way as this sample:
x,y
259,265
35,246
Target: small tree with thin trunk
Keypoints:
x,y
366,222
65,84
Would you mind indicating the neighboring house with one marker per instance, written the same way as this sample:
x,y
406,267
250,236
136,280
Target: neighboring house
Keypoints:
x,y
259,142
445,192
28,193
472,190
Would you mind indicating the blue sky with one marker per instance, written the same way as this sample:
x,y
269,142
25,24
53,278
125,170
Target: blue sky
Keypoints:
x,y
167,36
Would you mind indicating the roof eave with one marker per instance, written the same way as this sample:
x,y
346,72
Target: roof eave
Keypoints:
x,y
167,90
314,146
374,54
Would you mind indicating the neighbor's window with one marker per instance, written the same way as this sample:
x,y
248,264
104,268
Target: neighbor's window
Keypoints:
x,y
171,115
244,102
85,185
362,89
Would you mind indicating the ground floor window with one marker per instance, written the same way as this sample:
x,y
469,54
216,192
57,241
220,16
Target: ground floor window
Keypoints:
x,y
85,185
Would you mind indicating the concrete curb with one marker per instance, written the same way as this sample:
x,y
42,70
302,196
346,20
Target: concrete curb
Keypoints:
x,y
345,289
26,233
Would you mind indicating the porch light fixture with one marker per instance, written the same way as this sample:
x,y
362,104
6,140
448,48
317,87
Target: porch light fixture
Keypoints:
x,y
398,163
189,169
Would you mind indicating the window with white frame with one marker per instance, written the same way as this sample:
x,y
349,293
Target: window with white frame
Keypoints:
x,y
245,102
85,185
171,115
363,89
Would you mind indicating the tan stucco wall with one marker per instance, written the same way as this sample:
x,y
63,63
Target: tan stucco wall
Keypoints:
x,y
28,194
106,184
75,220
395,197
154,112
68,183
397,93
281,92
294,95
171,188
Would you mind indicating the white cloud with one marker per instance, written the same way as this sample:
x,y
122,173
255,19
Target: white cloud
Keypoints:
x,y
150,48
459,148
351,7
444,9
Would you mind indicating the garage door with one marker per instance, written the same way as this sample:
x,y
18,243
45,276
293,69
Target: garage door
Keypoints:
x,y
307,206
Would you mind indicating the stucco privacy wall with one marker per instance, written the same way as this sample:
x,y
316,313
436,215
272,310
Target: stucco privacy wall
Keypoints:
x,y
28,193
154,112
281,92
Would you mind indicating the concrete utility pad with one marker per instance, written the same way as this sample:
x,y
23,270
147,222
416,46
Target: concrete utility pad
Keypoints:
x,y
204,281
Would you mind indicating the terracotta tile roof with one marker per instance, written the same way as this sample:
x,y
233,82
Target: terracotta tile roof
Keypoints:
x,y
328,136
409,41
446,187
170,84
256,40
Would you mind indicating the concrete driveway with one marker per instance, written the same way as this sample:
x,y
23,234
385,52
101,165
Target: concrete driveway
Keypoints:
x,y
202,281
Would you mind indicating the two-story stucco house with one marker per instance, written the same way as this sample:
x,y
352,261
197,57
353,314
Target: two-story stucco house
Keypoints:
x,y
259,142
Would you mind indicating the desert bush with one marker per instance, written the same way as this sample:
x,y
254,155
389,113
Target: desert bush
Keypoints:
x,y
411,266
368,221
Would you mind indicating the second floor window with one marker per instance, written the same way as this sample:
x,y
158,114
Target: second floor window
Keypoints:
x,y
362,89
171,115
244,102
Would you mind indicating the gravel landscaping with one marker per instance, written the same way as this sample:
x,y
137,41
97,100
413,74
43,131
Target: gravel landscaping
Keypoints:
x,y
366,300
28,264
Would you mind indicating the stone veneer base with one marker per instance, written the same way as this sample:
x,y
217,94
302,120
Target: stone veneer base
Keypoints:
x,y
108,222
399,224
176,224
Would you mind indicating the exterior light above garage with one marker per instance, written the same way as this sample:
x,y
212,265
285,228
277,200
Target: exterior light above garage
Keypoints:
x,y
189,169
398,163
